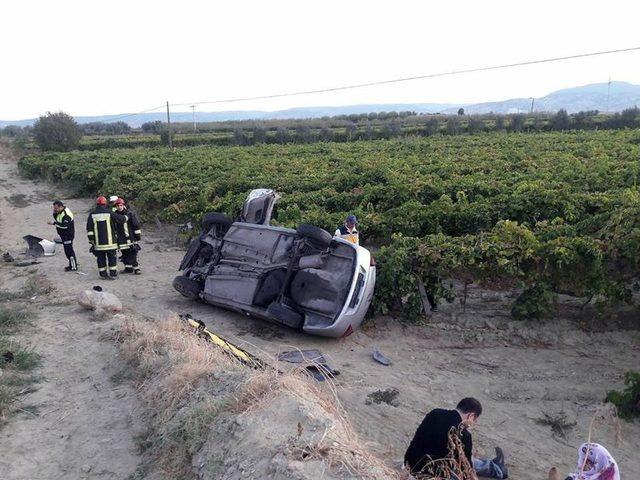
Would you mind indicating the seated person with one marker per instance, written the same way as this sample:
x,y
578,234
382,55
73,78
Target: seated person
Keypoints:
x,y
594,463
429,448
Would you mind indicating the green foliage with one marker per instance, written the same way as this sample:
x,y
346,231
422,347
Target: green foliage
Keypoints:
x,y
553,212
165,136
57,132
627,401
534,302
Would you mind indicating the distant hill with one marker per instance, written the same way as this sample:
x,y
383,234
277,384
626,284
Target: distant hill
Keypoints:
x,y
587,97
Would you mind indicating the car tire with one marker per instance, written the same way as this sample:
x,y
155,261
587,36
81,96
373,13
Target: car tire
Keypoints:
x,y
214,218
187,287
285,315
316,235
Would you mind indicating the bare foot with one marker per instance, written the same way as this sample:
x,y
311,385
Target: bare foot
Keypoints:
x,y
554,474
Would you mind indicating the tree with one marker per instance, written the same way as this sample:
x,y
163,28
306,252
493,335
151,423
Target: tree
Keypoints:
x,y
57,132
475,125
152,127
303,134
282,135
561,120
164,137
432,126
453,125
461,111
517,122
239,137
259,134
499,123
326,134
350,131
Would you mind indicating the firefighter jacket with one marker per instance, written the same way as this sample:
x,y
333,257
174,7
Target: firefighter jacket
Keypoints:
x,y
101,228
348,235
65,225
129,231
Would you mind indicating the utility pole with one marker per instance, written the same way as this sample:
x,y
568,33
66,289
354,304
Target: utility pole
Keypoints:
x,y
193,110
532,100
169,126
608,91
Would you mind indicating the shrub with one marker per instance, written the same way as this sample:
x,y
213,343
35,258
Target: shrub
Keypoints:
x,y
57,132
627,401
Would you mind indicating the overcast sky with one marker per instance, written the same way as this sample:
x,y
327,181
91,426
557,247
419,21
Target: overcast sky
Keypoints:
x,y
90,58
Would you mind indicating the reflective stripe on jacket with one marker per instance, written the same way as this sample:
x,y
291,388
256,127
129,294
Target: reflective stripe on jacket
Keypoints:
x,y
64,224
348,235
101,229
129,231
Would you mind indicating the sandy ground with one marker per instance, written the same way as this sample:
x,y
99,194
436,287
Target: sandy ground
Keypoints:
x,y
86,425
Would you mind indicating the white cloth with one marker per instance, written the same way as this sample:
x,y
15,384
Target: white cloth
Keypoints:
x,y
599,464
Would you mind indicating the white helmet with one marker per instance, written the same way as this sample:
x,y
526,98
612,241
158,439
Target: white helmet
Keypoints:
x,y
113,198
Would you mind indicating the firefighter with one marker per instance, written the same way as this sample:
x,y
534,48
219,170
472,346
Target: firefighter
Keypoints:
x,y
63,220
129,234
112,202
101,231
348,231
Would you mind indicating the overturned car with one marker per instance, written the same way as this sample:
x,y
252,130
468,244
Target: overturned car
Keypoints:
x,y
303,278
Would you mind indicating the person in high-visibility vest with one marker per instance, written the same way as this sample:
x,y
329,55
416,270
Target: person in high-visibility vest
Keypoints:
x,y
129,234
348,231
101,232
63,220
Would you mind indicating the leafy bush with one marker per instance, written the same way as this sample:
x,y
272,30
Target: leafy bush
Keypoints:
x,y
553,212
534,302
627,401
57,132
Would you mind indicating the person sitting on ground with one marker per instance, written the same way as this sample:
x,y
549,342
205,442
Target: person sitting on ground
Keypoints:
x,y
348,231
594,463
429,448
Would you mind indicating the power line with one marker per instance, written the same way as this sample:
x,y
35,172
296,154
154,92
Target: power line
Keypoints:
x,y
127,115
407,79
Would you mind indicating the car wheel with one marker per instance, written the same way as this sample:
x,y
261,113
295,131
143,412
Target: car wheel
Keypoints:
x,y
285,314
214,218
187,287
316,235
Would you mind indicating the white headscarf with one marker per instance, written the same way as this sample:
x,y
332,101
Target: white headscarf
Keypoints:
x,y
601,464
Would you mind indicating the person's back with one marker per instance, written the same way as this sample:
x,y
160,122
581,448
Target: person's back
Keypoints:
x,y
431,441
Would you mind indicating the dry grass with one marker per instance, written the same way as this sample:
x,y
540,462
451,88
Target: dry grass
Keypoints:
x,y
172,368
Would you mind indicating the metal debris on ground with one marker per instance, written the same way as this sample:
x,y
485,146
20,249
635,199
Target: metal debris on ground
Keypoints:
x,y
39,247
201,330
380,357
319,368
7,257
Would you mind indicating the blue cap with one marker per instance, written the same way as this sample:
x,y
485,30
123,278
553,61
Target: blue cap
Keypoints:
x,y
352,218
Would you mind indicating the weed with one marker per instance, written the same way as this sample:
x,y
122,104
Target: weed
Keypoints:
x,y
559,424
10,319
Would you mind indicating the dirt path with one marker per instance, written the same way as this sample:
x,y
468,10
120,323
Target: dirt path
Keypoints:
x,y
519,371
76,423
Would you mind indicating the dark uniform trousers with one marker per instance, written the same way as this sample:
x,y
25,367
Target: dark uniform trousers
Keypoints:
x,y
107,259
101,231
66,230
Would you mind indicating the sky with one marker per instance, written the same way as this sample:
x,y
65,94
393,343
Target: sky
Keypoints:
x,y
96,58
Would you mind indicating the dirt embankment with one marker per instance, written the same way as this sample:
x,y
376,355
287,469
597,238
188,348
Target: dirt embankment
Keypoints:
x,y
90,424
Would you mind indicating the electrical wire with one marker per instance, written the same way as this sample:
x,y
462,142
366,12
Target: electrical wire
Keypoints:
x,y
407,79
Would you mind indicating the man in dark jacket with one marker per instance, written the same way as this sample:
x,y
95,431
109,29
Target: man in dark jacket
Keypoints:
x,y
129,234
101,231
429,450
63,220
